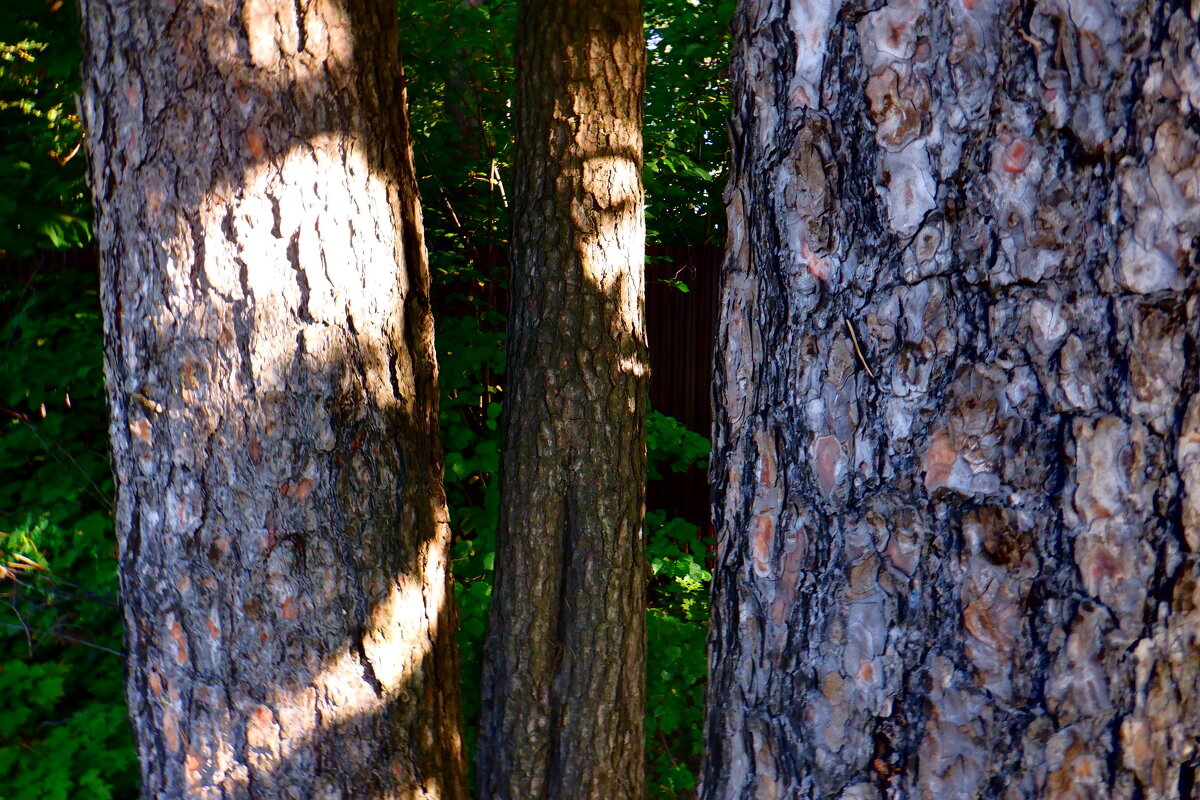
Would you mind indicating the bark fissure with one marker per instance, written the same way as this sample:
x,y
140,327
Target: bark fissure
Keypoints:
x,y
368,669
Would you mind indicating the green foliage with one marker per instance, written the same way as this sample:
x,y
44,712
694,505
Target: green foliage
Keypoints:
x,y
43,199
677,555
60,629
471,360
670,445
676,621
685,114
458,65
675,684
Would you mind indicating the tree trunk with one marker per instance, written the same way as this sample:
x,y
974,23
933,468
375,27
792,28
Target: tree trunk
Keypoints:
x,y
563,672
957,438
282,527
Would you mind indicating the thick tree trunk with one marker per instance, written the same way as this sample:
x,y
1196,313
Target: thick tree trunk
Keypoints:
x,y
957,437
563,673
272,384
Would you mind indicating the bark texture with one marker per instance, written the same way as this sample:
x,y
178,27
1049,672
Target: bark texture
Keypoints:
x,y
282,527
957,436
564,664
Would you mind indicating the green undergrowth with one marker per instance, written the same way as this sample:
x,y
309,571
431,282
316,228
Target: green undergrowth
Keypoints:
x,y
43,199
63,732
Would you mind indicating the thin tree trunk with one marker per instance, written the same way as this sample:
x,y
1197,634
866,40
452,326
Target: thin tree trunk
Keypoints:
x,y
282,526
563,672
957,438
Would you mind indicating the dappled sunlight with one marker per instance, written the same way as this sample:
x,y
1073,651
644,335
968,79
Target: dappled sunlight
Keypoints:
x,y
297,722
606,233
273,29
613,184
297,717
402,622
282,242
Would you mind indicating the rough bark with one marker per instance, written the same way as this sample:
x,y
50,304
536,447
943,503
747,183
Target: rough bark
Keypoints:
x,y
271,378
563,672
957,436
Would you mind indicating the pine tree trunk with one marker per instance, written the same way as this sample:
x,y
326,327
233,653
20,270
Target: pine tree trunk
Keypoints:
x,y
563,672
282,527
957,438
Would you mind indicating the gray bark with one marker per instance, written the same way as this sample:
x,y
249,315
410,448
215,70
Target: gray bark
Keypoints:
x,y
563,680
957,436
271,379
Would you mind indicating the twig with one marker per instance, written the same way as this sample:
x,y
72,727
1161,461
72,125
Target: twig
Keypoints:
x,y
62,160
854,338
1036,44
26,563
24,627
15,414
495,176
67,637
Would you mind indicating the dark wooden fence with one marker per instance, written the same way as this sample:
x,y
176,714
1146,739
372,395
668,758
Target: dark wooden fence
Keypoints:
x,y
681,327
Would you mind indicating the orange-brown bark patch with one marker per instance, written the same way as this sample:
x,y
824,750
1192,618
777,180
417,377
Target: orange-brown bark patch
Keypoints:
x,y
939,460
828,453
1017,156
764,530
181,648
170,729
304,488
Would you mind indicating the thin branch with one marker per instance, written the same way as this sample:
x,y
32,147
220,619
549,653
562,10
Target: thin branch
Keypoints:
x,y
68,637
24,627
854,338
